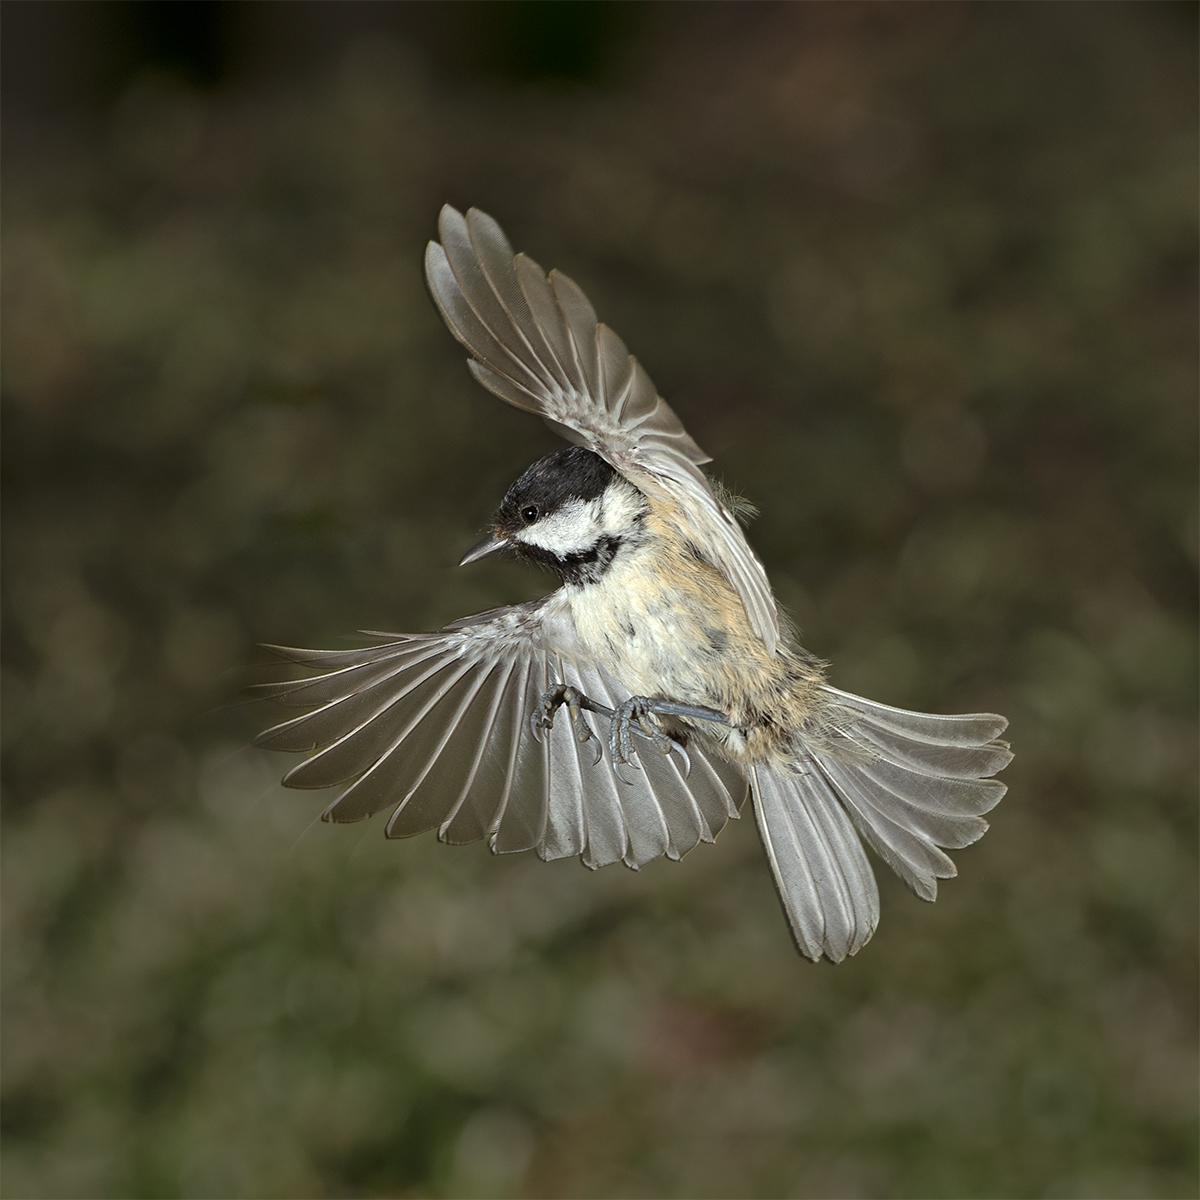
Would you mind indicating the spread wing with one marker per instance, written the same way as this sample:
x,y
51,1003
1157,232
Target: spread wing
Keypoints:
x,y
536,343
437,728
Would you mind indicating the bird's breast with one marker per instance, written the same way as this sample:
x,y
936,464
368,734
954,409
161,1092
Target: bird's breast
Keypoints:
x,y
664,624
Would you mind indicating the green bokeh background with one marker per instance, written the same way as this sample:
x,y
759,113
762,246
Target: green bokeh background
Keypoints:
x,y
922,278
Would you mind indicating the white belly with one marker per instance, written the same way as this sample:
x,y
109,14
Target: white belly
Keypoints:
x,y
643,634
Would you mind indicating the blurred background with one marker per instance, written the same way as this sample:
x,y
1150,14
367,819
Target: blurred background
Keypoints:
x,y
921,277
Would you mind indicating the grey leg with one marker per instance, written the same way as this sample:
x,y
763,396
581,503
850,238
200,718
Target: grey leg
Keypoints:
x,y
634,716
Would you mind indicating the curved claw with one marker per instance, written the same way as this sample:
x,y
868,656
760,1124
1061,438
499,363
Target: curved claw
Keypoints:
x,y
542,717
618,764
653,733
687,762
584,734
616,746
627,750
642,711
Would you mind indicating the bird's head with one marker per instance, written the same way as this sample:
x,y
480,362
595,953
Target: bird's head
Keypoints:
x,y
570,512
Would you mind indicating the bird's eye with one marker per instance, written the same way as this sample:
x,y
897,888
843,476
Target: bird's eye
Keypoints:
x,y
530,514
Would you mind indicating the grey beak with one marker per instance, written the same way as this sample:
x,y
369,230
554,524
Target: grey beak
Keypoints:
x,y
489,545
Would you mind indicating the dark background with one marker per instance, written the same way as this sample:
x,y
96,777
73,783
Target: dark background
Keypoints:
x,y
921,277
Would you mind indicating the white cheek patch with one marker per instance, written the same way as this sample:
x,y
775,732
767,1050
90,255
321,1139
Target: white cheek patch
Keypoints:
x,y
573,529
620,509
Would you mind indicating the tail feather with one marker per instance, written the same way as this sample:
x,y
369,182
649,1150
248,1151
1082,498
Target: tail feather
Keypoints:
x,y
909,851
915,783
936,793
910,783
963,729
821,873
953,762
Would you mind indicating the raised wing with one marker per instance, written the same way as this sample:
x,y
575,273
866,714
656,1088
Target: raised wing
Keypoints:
x,y
437,727
535,342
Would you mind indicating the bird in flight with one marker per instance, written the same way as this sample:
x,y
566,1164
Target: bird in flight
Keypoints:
x,y
629,713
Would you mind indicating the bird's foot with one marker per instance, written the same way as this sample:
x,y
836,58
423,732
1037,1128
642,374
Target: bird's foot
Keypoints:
x,y
637,715
576,702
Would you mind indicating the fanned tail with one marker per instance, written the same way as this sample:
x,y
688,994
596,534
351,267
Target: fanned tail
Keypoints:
x,y
912,784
